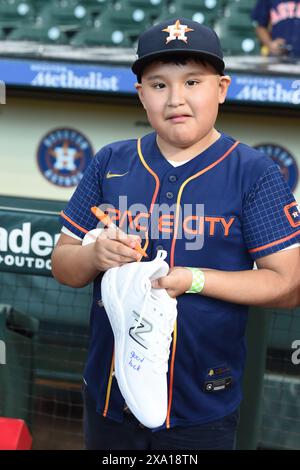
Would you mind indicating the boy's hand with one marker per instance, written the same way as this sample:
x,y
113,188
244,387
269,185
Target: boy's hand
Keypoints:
x,y
177,282
114,248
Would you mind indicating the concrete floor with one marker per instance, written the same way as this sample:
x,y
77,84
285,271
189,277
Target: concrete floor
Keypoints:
x,y
57,420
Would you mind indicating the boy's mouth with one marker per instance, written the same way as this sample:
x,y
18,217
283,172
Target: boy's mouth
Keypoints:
x,y
178,117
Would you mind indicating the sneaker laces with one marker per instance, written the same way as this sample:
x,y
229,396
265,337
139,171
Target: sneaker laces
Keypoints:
x,y
163,327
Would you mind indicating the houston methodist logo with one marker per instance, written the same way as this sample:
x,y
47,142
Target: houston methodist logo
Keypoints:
x,y
63,156
284,159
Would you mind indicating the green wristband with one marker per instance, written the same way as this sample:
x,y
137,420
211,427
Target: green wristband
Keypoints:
x,y
198,281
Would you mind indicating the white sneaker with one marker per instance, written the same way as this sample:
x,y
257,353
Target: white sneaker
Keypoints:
x,y
142,320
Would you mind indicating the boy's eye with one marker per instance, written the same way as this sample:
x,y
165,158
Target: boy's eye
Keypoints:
x,y
192,82
158,86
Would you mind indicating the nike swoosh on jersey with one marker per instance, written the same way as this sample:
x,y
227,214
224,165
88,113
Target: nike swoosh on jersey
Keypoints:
x,y
114,175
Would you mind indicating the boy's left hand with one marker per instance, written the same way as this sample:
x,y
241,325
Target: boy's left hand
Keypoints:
x,y
177,282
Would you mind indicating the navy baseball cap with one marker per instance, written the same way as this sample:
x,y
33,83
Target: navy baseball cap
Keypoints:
x,y
179,36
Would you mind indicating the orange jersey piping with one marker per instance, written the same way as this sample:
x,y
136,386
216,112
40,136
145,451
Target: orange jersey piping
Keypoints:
x,y
108,390
73,223
276,242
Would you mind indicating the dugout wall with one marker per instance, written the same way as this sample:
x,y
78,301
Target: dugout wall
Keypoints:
x,y
24,122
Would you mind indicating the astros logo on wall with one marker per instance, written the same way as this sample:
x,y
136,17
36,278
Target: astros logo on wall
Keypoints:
x,y
63,156
284,159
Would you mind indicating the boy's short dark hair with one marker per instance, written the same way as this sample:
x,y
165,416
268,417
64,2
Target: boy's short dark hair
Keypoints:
x,y
177,59
182,37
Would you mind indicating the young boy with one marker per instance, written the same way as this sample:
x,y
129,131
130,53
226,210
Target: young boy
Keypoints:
x,y
249,215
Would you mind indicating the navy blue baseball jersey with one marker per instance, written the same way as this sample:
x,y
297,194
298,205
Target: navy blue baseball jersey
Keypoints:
x,y
284,19
247,212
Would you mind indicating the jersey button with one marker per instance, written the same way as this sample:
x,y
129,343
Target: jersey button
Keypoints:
x,y
159,247
172,178
169,195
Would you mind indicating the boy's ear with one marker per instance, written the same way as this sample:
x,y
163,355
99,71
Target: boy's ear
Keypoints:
x,y
223,87
139,89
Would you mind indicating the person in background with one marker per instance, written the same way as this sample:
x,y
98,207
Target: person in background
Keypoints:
x,y
278,27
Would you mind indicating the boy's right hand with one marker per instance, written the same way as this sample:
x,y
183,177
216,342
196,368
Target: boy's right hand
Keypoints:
x,y
114,248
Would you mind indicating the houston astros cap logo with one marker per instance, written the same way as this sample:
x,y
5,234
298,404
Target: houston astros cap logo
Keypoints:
x,y
177,31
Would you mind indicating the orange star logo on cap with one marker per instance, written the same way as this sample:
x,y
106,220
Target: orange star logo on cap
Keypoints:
x,y
177,31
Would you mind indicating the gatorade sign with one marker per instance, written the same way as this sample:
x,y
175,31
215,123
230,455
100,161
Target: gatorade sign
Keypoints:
x,y
27,239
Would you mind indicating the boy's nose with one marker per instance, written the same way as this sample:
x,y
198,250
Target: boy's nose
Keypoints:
x,y
176,97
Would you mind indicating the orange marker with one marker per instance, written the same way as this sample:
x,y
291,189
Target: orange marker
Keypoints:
x,y
105,219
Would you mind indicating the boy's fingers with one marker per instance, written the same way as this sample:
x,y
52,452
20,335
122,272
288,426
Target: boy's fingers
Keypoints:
x,y
121,250
130,240
122,237
120,259
161,283
171,293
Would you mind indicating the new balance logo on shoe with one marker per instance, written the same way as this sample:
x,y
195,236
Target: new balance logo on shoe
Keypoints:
x,y
136,331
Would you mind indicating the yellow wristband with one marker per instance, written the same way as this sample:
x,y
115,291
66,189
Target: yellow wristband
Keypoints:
x,y
198,281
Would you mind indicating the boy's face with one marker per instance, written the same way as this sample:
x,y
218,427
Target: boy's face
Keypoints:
x,y
182,101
